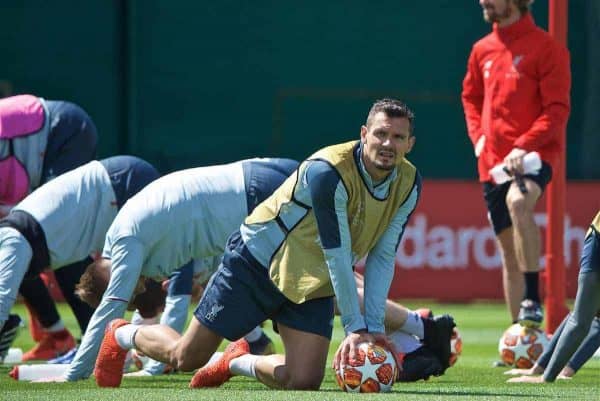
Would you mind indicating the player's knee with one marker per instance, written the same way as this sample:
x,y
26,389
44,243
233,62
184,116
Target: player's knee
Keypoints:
x,y
517,207
306,380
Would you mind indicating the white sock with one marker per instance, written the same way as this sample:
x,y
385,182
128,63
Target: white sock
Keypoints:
x,y
405,343
56,327
125,334
244,365
254,334
414,325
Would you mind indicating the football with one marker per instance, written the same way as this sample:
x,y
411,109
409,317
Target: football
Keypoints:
x,y
374,371
455,346
521,346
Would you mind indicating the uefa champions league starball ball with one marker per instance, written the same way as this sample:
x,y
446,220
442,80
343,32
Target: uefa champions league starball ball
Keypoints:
x,y
374,371
521,346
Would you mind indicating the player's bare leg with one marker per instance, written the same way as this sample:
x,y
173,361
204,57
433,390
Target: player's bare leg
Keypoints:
x,y
527,245
159,342
512,279
526,232
185,352
302,367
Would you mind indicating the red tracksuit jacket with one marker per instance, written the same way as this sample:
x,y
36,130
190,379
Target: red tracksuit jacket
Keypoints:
x,y
516,93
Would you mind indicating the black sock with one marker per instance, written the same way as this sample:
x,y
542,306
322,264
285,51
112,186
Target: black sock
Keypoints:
x,y
532,286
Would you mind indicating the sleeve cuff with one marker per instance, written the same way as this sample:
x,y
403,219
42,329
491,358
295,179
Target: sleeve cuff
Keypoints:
x,y
353,324
376,327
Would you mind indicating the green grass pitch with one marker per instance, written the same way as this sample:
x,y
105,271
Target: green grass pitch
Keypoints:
x,y
472,378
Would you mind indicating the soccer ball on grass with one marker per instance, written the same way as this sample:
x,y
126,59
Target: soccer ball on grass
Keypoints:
x,y
374,372
521,346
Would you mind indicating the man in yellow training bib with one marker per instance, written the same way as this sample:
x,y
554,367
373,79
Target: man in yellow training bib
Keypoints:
x,y
291,256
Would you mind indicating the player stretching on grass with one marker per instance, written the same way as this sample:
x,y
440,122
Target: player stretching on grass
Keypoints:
x,y
182,216
39,140
587,305
58,226
179,294
292,254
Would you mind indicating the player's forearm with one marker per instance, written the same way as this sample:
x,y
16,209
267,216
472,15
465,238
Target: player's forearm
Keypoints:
x,y
379,273
82,366
344,286
379,270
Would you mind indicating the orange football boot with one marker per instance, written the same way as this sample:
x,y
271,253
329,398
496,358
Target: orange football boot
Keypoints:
x,y
111,358
50,346
217,373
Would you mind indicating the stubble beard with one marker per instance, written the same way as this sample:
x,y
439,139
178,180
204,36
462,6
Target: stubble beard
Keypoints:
x,y
491,16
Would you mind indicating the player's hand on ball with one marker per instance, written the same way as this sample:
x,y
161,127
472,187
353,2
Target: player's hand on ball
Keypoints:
x,y
384,340
348,349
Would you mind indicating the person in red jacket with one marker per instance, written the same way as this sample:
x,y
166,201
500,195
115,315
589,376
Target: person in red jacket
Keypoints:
x,y
516,100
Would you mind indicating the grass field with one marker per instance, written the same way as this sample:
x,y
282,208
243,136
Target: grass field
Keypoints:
x,y
472,378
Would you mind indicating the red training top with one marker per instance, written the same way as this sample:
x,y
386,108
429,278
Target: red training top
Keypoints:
x,y
516,93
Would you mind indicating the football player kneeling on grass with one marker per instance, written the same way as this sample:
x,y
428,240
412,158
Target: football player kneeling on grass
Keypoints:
x,y
290,257
60,225
181,217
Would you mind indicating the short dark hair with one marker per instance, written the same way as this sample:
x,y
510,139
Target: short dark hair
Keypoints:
x,y
392,108
150,302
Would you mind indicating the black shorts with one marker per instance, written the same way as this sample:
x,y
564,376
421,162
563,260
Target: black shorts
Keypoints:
x,y
495,197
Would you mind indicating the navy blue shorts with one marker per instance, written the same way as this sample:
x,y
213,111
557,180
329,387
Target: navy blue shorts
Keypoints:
x,y
495,197
240,296
590,256
72,139
263,178
128,176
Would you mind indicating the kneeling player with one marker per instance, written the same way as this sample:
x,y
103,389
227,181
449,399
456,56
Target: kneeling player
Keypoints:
x,y
58,226
182,216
